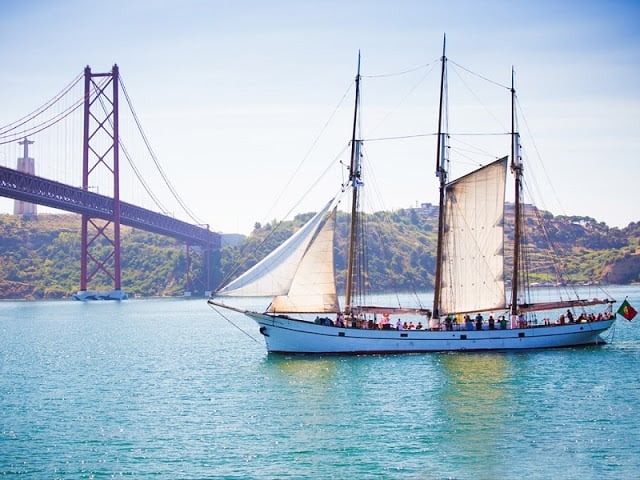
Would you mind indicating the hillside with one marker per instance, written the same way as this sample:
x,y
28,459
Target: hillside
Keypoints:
x,y
40,258
402,246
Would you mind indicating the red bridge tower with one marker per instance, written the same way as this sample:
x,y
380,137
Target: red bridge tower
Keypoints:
x,y
101,238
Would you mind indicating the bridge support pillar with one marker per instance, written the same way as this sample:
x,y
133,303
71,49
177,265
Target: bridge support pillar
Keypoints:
x,y
100,249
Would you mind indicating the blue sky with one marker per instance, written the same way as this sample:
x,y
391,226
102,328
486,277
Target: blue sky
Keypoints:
x,y
233,94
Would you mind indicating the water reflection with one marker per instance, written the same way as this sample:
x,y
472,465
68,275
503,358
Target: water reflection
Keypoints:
x,y
474,379
474,402
310,369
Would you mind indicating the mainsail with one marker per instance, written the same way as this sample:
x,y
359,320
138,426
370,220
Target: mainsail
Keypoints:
x,y
473,258
299,274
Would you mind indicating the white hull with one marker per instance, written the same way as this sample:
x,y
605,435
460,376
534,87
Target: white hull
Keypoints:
x,y
286,335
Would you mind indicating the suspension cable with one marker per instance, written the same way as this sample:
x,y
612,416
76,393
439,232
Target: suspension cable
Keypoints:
x,y
38,111
50,122
184,206
145,185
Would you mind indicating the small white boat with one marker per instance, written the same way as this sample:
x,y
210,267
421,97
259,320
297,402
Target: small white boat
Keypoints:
x,y
84,295
471,309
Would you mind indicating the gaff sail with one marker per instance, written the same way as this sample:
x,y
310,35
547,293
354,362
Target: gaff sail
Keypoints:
x,y
473,250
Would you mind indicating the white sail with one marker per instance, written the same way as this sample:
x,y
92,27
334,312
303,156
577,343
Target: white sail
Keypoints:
x,y
313,288
299,278
287,269
473,256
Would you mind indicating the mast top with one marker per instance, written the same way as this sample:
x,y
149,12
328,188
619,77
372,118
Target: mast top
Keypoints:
x,y
444,45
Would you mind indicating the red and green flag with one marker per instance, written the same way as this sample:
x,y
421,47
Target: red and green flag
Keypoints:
x,y
627,311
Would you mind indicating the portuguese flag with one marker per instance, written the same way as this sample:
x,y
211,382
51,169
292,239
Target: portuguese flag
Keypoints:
x,y
627,311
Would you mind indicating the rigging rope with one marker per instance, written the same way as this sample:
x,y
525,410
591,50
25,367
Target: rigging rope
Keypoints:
x,y
537,199
407,95
228,320
499,121
539,156
478,75
403,72
310,150
373,186
246,255
401,137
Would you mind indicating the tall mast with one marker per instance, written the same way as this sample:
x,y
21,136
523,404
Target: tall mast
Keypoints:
x,y
516,169
441,173
354,180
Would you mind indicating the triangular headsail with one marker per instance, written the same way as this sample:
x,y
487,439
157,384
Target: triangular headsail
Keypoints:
x,y
313,287
299,274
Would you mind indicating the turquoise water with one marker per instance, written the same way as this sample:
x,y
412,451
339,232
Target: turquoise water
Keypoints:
x,y
165,388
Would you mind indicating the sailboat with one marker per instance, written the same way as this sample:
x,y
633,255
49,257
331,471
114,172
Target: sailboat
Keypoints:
x,y
471,308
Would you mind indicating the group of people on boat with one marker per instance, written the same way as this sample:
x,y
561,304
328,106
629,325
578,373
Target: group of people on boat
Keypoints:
x,y
569,317
476,323
455,322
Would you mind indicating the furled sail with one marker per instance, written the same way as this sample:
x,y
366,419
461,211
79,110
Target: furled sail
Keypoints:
x,y
473,254
299,273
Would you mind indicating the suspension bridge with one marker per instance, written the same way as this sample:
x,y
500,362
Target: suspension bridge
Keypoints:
x,y
98,105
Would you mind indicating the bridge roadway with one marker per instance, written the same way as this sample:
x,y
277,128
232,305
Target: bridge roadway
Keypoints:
x,y
38,190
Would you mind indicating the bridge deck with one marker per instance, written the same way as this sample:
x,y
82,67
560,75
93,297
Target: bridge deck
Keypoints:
x,y
34,189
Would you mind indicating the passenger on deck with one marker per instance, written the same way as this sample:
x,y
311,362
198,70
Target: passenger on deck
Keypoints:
x,y
479,321
399,325
492,323
468,323
522,321
569,316
419,326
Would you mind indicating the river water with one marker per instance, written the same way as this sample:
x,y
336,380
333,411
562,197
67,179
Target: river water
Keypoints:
x,y
166,388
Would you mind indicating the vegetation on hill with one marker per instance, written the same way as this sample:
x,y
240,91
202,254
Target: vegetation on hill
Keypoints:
x,y
402,245
40,257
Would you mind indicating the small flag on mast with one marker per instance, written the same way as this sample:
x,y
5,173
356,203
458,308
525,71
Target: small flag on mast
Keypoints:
x,y
627,311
